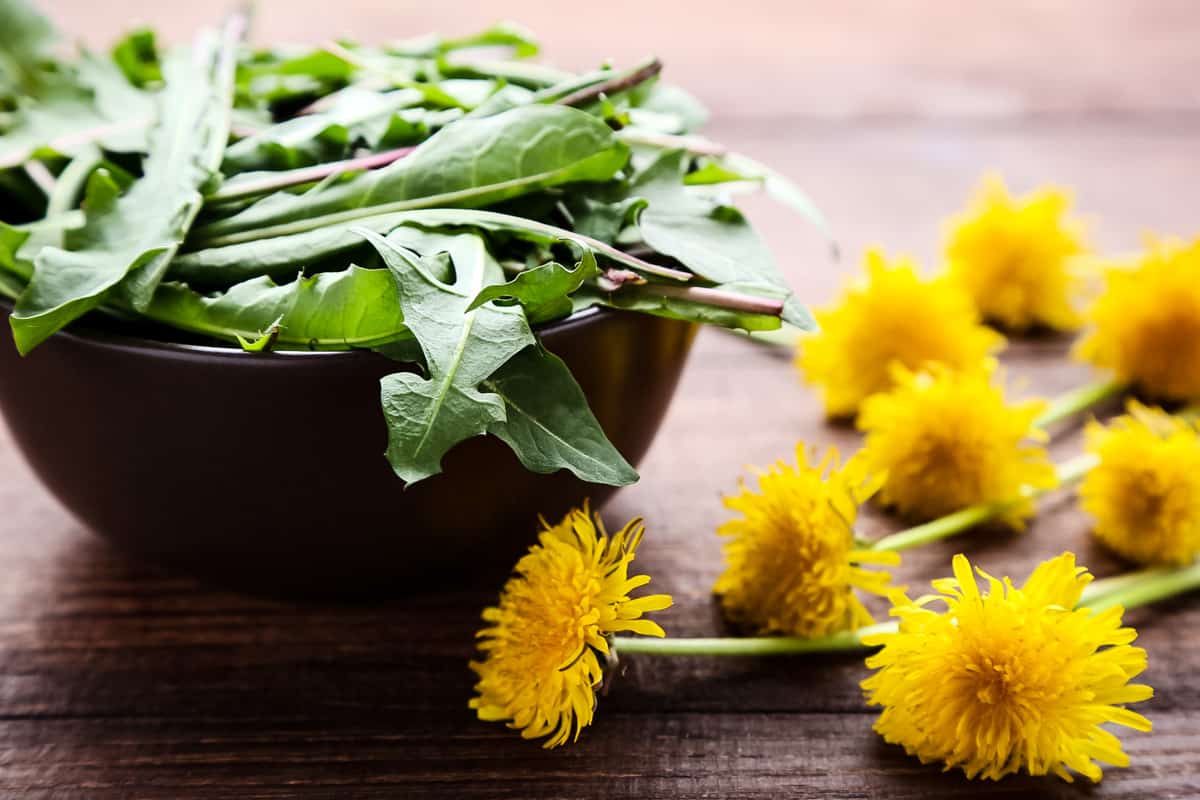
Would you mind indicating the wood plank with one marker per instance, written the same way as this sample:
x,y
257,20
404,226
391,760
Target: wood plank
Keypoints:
x,y
724,756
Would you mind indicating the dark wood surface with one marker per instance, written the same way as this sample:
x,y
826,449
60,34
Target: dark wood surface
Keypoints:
x,y
118,680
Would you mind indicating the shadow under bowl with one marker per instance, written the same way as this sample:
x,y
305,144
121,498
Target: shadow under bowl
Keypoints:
x,y
265,471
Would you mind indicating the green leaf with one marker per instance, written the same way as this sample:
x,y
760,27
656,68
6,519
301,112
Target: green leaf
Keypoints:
x,y
14,272
548,423
137,57
427,416
519,227
469,163
352,308
277,76
528,75
265,340
20,245
601,219
714,172
142,229
10,287
713,240
542,291
321,136
25,40
277,257
11,241
651,298
668,109
503,34
72,182
96,106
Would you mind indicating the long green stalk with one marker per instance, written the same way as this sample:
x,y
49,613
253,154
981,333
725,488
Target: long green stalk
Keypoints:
x,y
1149,586
1095,591
843,642
1128,591
944,527
1079,400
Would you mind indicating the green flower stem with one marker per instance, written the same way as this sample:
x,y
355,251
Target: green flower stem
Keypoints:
x,y
1097,589
944,527
1128,591
1143,587
842,642
1078,400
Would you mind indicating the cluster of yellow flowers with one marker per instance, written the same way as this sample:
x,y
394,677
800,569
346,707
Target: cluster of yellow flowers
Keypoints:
x,y
893,317
1006,678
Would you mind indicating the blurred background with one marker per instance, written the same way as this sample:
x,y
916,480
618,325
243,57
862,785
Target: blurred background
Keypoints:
x,y
886,112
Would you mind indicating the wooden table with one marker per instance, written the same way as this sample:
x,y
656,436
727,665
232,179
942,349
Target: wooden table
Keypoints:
x,y
117,680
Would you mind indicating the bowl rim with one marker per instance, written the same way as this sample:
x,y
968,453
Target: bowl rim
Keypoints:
x,y
83,332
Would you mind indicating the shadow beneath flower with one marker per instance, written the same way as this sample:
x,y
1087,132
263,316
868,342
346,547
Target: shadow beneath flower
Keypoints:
x,y
922,778
799,684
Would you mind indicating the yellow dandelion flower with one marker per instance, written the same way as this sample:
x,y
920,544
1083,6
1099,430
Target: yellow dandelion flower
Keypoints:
x,y
1146,324
1145,491
540,665
1012,255
1008,679
894,317
948,440
791,562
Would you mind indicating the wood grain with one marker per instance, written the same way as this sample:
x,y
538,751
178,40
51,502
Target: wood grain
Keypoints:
x,y
118,680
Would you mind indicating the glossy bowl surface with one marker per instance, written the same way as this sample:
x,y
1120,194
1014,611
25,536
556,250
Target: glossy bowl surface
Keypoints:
x,y
266,471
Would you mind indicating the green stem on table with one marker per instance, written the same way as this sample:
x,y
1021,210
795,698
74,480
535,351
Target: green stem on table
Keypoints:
x,y
1077,400
1128,591
1099,588
1144,587
842,642
1067,473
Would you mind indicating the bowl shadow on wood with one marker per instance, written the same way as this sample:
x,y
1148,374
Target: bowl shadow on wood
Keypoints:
x,y
265,472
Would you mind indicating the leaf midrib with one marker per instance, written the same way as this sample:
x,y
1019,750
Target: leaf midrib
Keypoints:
x,y
452,370
350,215
494,387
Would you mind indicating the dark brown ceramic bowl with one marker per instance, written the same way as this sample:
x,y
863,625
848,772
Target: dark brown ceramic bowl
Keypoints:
x,y
266,471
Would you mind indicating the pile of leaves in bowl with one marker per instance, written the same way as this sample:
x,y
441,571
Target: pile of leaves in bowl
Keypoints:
x,y
417,199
